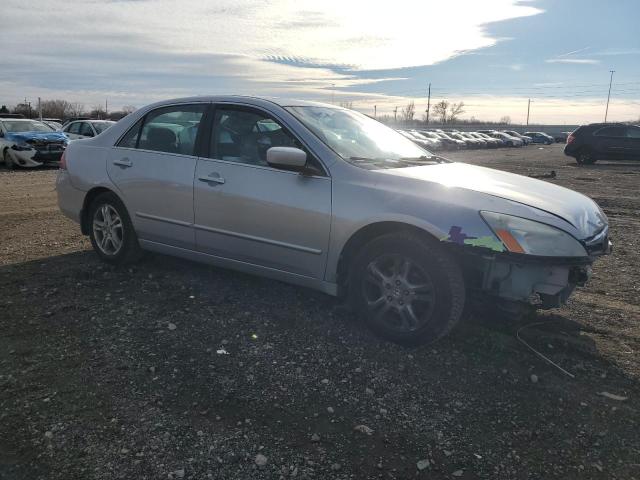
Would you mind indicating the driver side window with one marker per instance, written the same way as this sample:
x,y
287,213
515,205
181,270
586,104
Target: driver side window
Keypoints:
x,y
244,135
85,129
74,128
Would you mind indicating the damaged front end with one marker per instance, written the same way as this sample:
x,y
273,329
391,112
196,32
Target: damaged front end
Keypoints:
x,y
514,267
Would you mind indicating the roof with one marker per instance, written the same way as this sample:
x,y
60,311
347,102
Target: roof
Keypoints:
x,y
281,101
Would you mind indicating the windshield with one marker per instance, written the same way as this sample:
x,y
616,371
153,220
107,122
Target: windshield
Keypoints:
x,y
25,126
101,126
360,139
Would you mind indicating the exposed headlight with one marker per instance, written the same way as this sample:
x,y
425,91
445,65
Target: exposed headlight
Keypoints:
x,y
520,235
21,145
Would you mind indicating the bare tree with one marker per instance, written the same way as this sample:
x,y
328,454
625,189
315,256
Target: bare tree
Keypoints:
x,y
407,113
440,110
76,109
455,111
348,105
127,109
55,108
24,109
506,120
97,111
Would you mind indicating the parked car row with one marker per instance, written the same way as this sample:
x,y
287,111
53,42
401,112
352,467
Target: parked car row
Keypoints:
x,y
456,140
32,143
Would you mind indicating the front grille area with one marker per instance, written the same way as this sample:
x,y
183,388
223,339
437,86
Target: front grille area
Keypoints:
x,y
47,145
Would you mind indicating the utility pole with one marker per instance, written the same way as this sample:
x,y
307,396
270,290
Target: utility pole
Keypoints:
x,y
528,109
606,112
106,109
375,111
395,115
429,103
40,108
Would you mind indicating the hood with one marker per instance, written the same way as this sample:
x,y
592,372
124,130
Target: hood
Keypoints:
x,y
41,136
573,207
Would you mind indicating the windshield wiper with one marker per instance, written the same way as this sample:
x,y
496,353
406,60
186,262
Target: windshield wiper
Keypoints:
x,y
369,159
424,158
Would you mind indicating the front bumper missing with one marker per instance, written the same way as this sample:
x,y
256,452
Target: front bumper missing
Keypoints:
x,y
545,285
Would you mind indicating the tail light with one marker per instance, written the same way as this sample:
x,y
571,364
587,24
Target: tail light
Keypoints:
x,y
63,161
570,139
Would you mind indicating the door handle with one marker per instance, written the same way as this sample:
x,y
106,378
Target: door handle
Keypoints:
x,y
125,162
212,178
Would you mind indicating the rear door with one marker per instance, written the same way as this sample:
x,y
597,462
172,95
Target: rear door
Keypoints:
x,y
153,166
248,211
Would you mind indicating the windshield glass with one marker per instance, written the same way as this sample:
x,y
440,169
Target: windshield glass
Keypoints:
x,y
25,126
101,126
360,139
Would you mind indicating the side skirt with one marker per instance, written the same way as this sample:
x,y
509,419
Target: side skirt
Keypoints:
x,y
250,268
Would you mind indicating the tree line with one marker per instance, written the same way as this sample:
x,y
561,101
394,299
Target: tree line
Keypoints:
x,y
63,110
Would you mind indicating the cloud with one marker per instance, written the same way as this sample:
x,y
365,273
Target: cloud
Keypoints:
x,y
578,61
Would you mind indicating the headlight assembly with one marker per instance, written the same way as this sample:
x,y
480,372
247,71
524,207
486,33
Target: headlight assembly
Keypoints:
x,y
520,235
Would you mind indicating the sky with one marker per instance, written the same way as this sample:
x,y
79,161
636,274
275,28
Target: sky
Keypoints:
x,y
494,55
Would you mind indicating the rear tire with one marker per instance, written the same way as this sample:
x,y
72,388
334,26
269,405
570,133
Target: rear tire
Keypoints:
x,y
585,157
111,232
407,289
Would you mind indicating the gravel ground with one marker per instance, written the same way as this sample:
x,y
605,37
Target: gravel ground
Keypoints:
x,y
176,370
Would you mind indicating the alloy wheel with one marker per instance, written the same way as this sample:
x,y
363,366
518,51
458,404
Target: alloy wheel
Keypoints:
x,y
399,293
108,230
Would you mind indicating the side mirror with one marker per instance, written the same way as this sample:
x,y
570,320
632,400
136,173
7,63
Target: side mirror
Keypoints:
x,y
287,157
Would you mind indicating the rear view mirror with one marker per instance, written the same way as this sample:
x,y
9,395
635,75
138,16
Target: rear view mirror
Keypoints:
x,y
287,157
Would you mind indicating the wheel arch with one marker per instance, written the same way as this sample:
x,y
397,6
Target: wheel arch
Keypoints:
x,y
89,197
363,236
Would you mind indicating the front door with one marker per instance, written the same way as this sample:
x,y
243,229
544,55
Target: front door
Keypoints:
x,y
611,142
247,211
153,167
633,141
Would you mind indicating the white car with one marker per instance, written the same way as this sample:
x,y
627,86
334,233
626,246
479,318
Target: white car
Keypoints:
x,y
29,143
86,128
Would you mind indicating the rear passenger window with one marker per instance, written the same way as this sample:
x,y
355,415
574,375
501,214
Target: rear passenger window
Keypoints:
x,y
170,129
611,132
130,140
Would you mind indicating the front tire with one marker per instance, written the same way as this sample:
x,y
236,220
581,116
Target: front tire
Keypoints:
x,y
407,289
8,161
112,234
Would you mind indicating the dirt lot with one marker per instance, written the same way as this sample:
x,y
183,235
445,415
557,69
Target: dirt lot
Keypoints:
x,y
115,373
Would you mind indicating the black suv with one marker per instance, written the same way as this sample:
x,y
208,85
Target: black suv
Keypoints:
x,y
604,141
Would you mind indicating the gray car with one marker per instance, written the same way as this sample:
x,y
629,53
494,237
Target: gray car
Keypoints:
x,y
327,198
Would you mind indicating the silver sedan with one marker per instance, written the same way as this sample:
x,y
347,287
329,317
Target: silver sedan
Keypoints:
x,y
327,198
